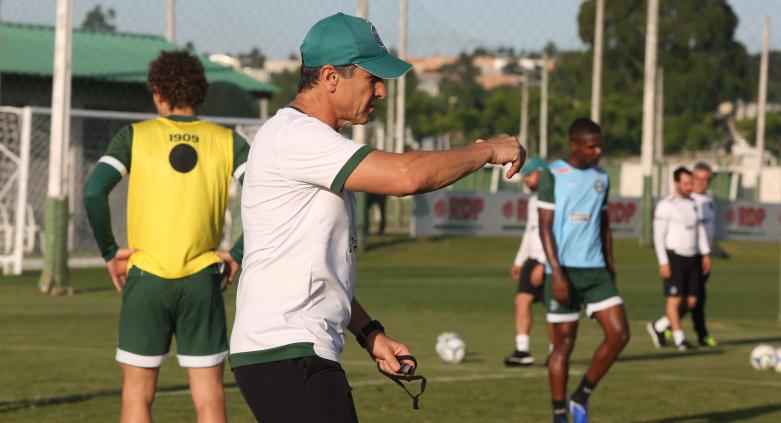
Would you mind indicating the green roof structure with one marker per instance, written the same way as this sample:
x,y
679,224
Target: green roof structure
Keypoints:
x,y
103,55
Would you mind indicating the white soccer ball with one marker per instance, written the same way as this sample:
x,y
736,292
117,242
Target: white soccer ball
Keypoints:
x,y
451,348
763,357
778,360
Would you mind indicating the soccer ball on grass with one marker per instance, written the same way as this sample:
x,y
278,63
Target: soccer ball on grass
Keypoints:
x,y
450,347
763,357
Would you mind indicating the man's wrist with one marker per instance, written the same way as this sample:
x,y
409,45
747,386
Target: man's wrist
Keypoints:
x,y
363,335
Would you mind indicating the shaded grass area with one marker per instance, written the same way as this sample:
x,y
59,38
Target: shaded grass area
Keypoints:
x,y
57,365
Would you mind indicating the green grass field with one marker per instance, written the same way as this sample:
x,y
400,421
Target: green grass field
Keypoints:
x,y
57,353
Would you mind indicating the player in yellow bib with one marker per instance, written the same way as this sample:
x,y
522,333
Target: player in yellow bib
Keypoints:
x,y
179,171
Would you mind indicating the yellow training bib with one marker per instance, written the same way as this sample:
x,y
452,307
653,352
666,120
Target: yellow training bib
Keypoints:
x,y
180,173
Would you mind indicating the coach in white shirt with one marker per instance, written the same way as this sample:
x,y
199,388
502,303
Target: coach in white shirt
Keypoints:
x,y
701,179
683,251
295,297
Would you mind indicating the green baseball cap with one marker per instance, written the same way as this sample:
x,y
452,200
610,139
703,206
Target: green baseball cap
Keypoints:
x,y
533,165
342,40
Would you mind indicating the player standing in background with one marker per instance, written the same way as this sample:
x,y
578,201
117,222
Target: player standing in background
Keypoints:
x,y
701,179
295,300
528,268
575,232
683,252
179,170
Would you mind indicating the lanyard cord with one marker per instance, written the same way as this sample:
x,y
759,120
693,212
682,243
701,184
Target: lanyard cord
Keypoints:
x,y
407,378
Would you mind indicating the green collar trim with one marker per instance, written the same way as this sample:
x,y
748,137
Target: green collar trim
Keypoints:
x,y
179,118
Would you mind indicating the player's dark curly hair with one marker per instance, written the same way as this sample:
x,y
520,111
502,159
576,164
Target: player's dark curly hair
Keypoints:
x,y
178,77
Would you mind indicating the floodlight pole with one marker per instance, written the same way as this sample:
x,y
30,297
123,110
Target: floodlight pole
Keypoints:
x,y
761,107
401,85
649,94
359,131
596,75
544,108
170,34
524,124
54,278
659,131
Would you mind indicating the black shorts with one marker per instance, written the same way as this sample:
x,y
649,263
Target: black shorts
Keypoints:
x,y
686,279
525,281
306,389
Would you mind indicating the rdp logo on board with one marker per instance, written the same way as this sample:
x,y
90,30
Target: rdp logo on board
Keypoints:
x,y
459,208
621,212
518,209
749,217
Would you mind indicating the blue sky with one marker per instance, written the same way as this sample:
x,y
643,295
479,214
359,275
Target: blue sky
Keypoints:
x,y
435,26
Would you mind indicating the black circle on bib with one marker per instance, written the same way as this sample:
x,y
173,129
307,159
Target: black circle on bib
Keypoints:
x,y
183,158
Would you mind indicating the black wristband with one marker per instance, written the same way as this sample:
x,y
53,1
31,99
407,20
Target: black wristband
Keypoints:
x,y
365,331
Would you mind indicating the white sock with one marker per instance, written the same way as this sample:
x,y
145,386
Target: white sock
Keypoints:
x,y
522,343
662,324
678,337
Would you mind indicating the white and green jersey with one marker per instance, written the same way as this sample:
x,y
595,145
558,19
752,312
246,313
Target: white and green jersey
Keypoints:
x,y
577,197
300,238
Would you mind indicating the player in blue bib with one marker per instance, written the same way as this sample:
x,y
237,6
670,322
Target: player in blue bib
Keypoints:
x,y
575,232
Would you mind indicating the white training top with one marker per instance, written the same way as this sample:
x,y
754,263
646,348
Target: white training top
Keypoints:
x,y
531,245
678,227
298,274
707,209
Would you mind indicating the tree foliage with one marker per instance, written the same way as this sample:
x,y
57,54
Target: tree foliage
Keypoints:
x,y
98,20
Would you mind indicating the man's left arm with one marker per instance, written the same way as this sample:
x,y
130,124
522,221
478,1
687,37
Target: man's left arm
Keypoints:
x,y
380,347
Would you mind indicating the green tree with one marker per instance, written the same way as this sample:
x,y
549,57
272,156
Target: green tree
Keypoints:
x,y
287,81
253,59
703,63
98,20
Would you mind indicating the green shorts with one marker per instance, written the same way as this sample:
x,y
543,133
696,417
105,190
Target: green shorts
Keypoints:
x,y
593,287
154,309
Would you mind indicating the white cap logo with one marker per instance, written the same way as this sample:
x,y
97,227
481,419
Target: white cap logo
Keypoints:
x,y
376,35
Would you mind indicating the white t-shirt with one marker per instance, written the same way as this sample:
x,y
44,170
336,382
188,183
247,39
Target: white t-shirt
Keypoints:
x,y
298,275
678,227
707,208
531,245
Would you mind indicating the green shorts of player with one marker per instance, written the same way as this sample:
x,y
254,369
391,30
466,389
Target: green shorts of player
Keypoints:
x,y
592,287
154,310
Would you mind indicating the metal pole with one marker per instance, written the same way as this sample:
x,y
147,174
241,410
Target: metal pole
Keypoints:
x,y
544,108
170,34
596,75
359,131
1,43
54,277
760,140
659,131
390,118
524,135
648,117
402,82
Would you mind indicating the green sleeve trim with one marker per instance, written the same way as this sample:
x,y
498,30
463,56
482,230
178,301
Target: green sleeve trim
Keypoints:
x,y
237,251
121,146
240,151
338,184
285,352
546,191
99,184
